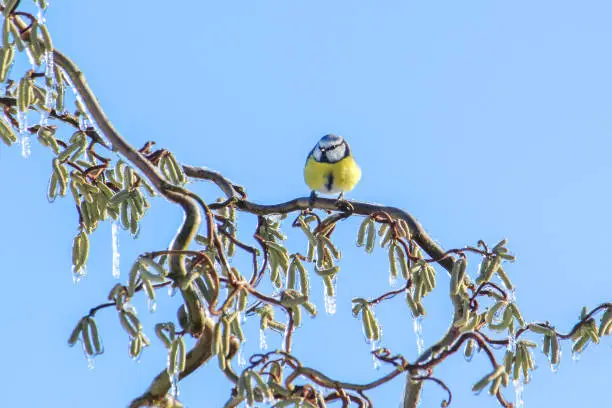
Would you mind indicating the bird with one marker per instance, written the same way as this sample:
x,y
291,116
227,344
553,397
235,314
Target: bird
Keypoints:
x,y
330,167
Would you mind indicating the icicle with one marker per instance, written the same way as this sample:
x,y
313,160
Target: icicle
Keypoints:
x,y
393,281
83,121
241,359
44,116
330,304
49,66
115,245
263,345
26,148
174,388
90,359
519,388
511,292
31,59
375,361
511,342
554,367
174,377
78,274
135,358
172,290
50,81
519,385
151,305
90,362
40,15
330,301
418,332
576,355
22,120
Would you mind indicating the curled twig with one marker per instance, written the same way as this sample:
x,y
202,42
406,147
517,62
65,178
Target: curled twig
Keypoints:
x,y
446,402
384,355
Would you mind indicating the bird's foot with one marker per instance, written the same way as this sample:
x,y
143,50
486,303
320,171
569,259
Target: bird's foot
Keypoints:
x,y
344,205
311,201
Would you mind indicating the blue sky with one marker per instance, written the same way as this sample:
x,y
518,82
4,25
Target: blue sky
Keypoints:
x,y
483,119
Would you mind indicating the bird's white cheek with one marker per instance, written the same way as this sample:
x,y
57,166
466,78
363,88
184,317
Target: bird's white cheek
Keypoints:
x,y
336,154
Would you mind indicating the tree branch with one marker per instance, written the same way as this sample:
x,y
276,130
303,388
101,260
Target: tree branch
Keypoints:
x,y
193,218
197,356
193,207
416,230
229,189
412,392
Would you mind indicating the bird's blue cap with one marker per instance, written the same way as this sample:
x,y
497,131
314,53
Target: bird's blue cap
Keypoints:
x,y
328,139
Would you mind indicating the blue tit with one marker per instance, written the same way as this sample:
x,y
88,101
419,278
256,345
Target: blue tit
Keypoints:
x,y
330,167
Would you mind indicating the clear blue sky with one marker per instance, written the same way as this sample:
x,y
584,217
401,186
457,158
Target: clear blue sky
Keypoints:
x,y
483,119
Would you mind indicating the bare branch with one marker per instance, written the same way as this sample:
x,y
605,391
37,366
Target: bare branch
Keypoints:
x,y
304,203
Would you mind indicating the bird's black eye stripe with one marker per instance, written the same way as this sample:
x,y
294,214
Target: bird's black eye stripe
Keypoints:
x,y
324,159
324,149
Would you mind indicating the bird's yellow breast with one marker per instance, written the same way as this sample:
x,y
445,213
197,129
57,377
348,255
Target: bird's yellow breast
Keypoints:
x,y
332,178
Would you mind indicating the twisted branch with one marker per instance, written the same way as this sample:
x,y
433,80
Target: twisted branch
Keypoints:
x,y
193,207
305,203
